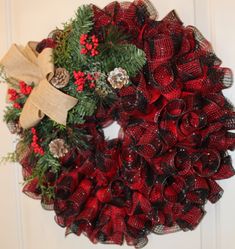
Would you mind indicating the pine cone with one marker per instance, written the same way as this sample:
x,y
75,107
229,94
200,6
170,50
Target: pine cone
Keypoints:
x,y
118,78
58,148
102,90
61,78
14,128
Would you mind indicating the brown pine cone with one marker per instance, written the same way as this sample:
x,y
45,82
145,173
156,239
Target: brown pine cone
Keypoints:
x,y
60,78
14,128
58,148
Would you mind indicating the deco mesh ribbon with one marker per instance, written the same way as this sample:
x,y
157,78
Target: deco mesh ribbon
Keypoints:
x,y
172,148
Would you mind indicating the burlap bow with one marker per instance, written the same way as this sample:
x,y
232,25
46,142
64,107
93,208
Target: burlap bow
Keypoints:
x,y
25,64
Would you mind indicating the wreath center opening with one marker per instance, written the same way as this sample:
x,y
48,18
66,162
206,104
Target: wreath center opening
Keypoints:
x,y
112,131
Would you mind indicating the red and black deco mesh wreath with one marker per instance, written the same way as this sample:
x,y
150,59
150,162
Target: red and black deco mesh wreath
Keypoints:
x,y
162,83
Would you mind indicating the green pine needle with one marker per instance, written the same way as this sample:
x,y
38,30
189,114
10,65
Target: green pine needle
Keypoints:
x,y
85,107
67,53
11,114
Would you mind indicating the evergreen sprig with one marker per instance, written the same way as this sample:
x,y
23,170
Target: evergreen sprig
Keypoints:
x,y
44,164
115,51
85,107
67,53
11,114
128,56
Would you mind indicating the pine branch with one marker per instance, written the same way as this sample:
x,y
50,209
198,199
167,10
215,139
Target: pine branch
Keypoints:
x,y
116,52
83,22
85,107
78,138
67,53
44,164
11,114
130,58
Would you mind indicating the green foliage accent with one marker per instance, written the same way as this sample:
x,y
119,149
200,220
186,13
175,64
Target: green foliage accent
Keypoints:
x,y
85,107
44,164
67,53
128,56
62,52
27,138
9,158
11,114
49,130
115,52
77,138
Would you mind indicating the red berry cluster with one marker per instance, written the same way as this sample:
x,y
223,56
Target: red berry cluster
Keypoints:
x,y
36,147
17,106
14,96
89,44
82,79
24,88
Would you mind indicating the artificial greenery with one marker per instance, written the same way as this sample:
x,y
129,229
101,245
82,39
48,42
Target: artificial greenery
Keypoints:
x,y
11,114
114,51
67,52
9,158
46,163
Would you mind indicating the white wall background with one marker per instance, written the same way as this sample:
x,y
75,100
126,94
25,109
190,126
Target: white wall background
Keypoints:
x,y
23,223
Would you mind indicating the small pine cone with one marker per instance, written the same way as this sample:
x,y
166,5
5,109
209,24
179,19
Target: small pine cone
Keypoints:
x,y
118,78
58,148
60,78
102,91
14,128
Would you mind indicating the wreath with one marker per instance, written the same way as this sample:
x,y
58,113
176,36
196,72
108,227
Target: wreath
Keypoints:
x,y
161,82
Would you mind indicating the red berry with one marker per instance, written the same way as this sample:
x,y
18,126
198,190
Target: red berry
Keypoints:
x,y
89,46
33,130
83,39
83,51
92,84
17,106
13,94
80,88
89,77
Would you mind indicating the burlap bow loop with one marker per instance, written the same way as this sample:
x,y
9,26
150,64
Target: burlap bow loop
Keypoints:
x,y
25,64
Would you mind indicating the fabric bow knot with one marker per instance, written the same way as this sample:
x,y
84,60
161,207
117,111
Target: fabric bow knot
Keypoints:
x,y
25,64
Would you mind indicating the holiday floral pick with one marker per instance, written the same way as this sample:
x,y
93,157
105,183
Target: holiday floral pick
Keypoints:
x,y
161,82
